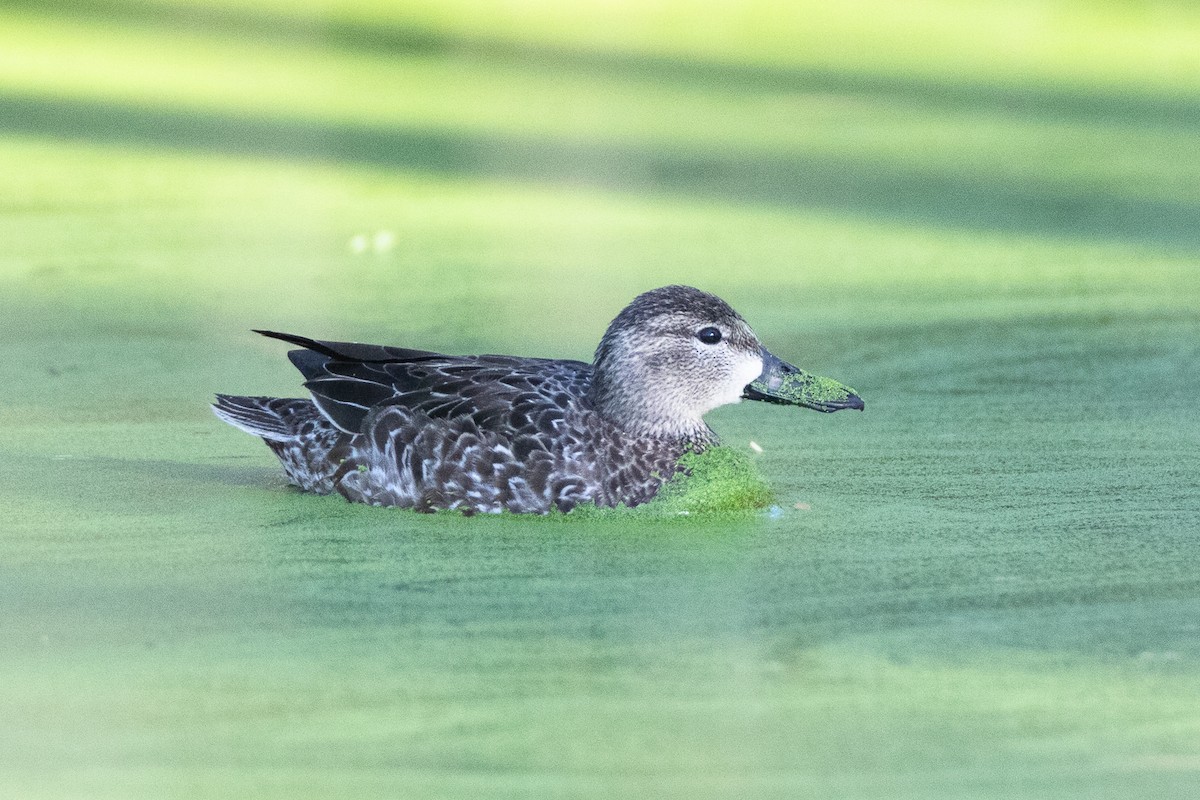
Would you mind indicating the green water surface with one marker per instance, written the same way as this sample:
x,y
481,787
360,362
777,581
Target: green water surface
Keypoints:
x,y
985,586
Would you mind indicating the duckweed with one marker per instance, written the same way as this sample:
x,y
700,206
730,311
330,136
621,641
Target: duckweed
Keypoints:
x,y
716,480
719,480
994,595
804,388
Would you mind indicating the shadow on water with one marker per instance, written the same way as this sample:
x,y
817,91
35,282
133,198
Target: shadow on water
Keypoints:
x,y
880,190
1040,102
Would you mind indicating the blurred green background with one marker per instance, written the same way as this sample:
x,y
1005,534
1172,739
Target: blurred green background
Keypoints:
x,y
985,216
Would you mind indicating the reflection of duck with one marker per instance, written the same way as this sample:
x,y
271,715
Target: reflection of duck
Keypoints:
x,y
410,428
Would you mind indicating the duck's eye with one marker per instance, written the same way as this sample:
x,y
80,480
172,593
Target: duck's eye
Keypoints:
x,y
709,335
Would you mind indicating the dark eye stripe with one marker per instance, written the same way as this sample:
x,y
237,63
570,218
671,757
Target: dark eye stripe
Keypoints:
x,y
709,335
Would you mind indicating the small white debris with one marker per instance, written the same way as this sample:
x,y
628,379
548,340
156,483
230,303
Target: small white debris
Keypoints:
x,y
358,244
384,241
802,507
756,447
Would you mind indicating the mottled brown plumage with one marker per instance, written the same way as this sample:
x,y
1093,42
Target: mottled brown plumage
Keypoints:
x,y
416,429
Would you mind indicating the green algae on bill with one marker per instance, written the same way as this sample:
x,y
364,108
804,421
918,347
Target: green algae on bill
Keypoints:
x,y
804,389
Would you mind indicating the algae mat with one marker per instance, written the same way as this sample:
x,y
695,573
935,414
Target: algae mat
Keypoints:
x,y
983,587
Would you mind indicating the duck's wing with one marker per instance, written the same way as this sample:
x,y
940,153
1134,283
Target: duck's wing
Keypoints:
x,y
348,379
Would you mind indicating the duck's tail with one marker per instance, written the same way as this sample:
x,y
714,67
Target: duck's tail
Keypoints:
x,y
295,431
272,418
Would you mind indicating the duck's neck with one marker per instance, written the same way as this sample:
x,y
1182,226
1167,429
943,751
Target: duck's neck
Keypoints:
x,y
649,412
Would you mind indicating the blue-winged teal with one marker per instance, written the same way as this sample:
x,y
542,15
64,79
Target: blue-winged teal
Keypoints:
x,y
398,427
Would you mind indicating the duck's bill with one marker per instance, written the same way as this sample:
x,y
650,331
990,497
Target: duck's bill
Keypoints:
x,y
782,383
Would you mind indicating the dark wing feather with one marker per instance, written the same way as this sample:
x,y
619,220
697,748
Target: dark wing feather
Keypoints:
x,y
310,363
346,401
347,380
352,351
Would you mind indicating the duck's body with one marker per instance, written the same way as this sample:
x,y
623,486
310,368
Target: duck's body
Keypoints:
x,y
485,433
411,428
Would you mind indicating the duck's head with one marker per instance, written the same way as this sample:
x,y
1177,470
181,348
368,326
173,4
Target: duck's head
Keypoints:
x,y
676,353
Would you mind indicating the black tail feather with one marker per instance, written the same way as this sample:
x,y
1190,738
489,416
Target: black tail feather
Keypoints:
x,y
268,417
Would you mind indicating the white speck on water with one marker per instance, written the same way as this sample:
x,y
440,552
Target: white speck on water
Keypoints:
x,y
384,241
803,507
358,244
756,447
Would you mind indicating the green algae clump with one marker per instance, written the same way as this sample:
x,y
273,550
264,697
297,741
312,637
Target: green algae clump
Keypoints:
x,y
815,389
805,389
719,479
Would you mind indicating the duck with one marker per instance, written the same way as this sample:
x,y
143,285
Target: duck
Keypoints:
x,y
416,429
